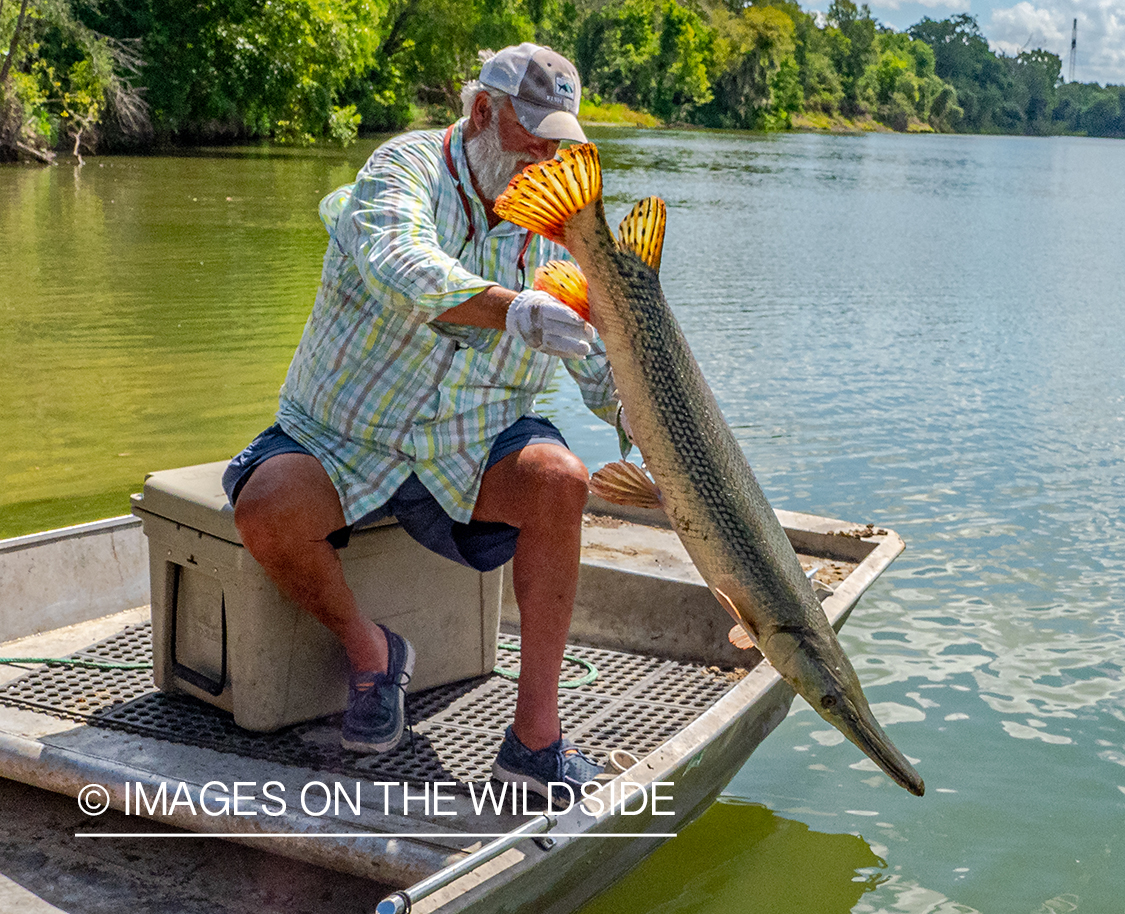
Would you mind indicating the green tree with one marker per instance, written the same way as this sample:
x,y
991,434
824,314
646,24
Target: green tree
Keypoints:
x,y
1106,116
853,50
820,81
445,36
1034,76
751,47
681,81
1090,109
244,68
62,82
557,23
785,92
616,51
902,86
962,58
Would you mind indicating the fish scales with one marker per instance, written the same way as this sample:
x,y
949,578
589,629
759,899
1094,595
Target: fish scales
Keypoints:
x,y
707,488
711,496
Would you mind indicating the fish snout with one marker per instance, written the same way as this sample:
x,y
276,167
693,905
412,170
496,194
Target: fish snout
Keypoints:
x,y
859,725
815,664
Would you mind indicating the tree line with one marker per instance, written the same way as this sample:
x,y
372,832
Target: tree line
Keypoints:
x,y
121,73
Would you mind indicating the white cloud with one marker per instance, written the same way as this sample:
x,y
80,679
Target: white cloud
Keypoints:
x,y
1030,24
1046,24
1040,26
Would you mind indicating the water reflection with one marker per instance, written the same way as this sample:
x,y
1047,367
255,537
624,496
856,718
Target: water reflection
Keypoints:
x,y
740,857
896,895
882,355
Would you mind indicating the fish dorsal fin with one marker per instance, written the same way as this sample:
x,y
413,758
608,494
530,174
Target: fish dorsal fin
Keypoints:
x,y
565,281
544,196
624,483
642,231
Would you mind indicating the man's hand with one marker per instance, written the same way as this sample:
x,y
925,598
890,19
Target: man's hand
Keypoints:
x,y
546,324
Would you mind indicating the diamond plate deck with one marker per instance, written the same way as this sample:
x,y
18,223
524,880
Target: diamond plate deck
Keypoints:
x,y
636,703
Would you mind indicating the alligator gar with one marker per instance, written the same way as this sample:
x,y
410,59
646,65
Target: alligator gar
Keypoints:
x,y
702,478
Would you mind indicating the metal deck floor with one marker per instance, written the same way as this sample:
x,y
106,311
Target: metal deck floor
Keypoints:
x,y
635,703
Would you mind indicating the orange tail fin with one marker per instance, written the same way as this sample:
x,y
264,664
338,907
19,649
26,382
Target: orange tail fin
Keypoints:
x,y
543,197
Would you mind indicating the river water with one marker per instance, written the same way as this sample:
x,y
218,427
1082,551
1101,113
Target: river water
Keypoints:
x,y
923,332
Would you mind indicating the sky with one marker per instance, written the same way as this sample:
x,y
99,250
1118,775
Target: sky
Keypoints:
x,y
1028,24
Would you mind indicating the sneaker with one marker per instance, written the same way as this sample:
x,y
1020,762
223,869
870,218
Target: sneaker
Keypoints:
x,y
374,719
561,762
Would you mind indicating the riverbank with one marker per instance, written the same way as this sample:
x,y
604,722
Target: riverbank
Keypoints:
x,y
593,113
815,122
810,122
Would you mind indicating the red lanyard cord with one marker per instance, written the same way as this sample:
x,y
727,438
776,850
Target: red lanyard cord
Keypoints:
x,y
521,261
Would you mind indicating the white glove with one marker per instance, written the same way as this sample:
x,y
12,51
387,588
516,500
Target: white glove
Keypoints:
x,y
546,324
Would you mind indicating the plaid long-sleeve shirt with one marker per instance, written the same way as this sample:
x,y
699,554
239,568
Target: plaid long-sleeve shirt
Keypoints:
x,y
378,388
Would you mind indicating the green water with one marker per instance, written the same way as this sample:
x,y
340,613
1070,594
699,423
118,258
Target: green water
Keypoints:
x,y
149,309
920,332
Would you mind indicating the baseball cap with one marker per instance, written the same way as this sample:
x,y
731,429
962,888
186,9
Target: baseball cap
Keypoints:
x,y
544,88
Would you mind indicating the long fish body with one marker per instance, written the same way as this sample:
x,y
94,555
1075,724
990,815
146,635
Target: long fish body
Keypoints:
x,y
705,485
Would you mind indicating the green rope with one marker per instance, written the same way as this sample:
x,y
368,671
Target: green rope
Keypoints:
x,y
590,676
66,661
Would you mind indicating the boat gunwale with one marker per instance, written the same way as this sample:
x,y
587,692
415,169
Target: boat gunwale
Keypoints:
x,y
693,741
72,532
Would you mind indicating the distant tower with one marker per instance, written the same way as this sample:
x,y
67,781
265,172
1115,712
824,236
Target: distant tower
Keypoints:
x,y
1073,48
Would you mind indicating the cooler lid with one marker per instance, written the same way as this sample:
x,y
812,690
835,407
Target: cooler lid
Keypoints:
x,y
193,497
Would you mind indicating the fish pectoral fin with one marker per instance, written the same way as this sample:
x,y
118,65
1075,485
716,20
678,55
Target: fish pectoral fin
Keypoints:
x,y
624,483
738,637
543,197
642,231
564,280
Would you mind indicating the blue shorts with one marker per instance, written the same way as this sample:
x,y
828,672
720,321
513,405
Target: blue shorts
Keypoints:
x,y
478,544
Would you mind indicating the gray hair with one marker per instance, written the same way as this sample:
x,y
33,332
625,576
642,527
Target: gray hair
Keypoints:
x,y
475,87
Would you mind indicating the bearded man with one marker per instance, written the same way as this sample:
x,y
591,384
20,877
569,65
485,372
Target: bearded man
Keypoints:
x,y
412,394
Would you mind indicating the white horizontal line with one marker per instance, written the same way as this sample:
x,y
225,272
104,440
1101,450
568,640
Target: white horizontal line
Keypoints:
x,y
366,834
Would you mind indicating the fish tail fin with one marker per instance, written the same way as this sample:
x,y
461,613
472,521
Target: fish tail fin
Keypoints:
x,y
564,280
642,231
543,197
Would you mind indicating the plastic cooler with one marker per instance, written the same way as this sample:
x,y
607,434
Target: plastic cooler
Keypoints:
x,y
221,631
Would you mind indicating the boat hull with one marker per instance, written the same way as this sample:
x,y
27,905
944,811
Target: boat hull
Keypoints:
x,y
639,598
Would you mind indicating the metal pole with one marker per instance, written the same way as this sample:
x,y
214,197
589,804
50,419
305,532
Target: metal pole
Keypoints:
x,y
1073,49
400,902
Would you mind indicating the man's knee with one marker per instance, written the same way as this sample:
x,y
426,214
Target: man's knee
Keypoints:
x,y
259,523
286,502
557,479
255,522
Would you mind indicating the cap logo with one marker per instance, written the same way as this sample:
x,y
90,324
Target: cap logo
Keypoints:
x,y
564,86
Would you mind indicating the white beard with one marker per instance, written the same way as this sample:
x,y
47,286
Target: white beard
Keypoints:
x,y
492,166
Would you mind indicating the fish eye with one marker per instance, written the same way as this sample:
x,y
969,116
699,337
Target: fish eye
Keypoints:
x,y
828,702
